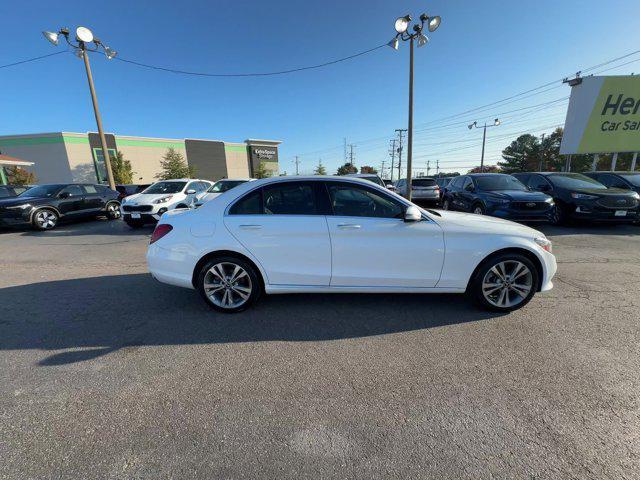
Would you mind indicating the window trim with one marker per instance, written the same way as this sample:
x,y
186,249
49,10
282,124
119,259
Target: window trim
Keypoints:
x,y
380,193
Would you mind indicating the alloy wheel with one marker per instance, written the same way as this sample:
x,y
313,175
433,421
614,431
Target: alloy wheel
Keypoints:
x,y
113,210
507,284
478,211
227,285
46,219
445,205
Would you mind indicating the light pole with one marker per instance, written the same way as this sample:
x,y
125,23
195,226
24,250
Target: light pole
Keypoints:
x,y
85,37
402,27
496,122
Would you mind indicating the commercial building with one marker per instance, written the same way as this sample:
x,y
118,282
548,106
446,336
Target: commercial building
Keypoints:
x,y
77,157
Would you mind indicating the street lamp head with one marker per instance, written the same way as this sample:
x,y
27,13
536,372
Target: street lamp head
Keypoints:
x,y
83,34
394,43
79,53
472,125
496,122
422,40
51,36
110,53
433,23
402,24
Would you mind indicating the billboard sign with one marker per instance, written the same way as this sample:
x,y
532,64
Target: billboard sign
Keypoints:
x,y
603,116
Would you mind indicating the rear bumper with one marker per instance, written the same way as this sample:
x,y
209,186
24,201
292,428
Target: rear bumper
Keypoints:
x,y
430,195
167,267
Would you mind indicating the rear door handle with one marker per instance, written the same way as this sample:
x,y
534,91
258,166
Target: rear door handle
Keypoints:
x,y
350,226
251,227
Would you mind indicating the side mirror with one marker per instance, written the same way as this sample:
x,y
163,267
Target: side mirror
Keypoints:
x,y
191,191
412,214
64,195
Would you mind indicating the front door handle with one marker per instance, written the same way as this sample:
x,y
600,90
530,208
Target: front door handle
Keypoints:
x,y
251,227
350,226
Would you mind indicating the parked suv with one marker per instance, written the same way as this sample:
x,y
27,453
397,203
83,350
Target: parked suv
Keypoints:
x,y
580,197
43,206
623,180
498,195
423,189
149,205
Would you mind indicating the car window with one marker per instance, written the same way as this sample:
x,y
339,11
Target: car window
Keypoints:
x,y
537,182
575,180
495,182
72,190
357,201
457,182
4,192
250,204
468,184
612,181
423,182
101,188
90,189
291,198
165,187
633,179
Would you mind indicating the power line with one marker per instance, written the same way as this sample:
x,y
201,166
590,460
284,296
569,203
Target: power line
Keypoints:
x,y
254,74
33,59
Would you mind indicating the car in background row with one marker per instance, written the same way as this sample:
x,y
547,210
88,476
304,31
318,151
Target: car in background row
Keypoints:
x,y
149,205
372,177
130,189
442,183
257,239
579,197
623,180
389,184
12,190
498,195
220,187
43,206
423,189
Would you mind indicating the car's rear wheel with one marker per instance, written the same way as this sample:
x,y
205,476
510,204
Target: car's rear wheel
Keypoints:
x,y
229,284
113,211
505,282
478,209
45,219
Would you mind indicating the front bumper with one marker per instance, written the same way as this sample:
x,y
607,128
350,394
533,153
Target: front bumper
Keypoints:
x,y
601,214
143,213
519,215
10,217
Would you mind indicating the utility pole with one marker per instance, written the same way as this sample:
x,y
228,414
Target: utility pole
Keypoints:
x,y
382,169
351,155
392,152
400,133
297,162
541,154
437,167
428,167
345,149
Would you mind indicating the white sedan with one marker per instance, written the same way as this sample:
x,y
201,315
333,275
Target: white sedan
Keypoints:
x,y
338,234
220,187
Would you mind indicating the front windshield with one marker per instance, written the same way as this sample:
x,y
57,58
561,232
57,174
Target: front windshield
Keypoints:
x,y
375,179
499,182
41,191
165,187
575,180
224,185
632,179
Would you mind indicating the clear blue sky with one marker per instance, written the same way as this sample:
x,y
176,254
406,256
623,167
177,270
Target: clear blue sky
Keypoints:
x,y
483,51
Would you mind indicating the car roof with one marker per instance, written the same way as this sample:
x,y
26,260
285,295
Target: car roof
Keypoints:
x,y
474,175
236,179
361,175
618,172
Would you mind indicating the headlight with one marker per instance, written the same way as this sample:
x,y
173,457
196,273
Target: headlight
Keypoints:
x,y
583,196
549,200
544,243
636,195
163,199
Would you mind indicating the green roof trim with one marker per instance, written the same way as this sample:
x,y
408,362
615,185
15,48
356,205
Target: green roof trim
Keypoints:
x,y
235,148
128,142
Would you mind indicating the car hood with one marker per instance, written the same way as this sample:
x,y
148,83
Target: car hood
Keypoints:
x,y
15,201
519,195
148,198
609,192
481,223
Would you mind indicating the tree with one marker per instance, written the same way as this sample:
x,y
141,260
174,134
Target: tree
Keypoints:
x,y
487,169
367,169
262,171
521,155
121,169
174,165
347,168
320,170
19,176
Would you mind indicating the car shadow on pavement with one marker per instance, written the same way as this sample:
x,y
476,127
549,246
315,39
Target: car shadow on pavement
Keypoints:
x,y
80,227
588,229
91,317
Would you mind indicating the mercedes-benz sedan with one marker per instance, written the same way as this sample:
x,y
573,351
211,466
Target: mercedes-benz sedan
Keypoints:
x,y
338,234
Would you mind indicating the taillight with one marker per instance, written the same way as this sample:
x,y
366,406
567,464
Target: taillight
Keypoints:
x,y
160,231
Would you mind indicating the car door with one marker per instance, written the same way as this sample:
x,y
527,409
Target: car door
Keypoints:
x,y
71,200
467,194
372,245
284,227
455,188
93,201
539,184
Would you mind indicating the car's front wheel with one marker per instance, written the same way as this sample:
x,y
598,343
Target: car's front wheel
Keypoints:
x,y
113,211
504,282
229,284
45,219
446,205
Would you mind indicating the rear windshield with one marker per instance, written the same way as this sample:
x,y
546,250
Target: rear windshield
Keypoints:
x,y
632,179
575,180
423,182
165,187
499,182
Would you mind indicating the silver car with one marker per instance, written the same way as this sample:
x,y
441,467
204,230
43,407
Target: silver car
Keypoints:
x,y
422,189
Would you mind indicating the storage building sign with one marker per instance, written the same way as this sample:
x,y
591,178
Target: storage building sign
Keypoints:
x,y
603,116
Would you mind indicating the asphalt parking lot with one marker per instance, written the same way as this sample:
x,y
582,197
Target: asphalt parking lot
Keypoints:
x,y
105,373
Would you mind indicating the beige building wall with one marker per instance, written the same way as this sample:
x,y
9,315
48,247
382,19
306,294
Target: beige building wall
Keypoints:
x,y
80,158
145,155
46,150
237,160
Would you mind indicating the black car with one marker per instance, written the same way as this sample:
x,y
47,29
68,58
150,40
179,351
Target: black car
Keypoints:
x,y
130,189
442,182
623,180
43,206
498,195
580,197
12,190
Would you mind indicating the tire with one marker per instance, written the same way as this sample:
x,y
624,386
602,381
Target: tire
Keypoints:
x,y
182,205
133,224
478,209
45,219
113,211
446,205
559,215
217,286
504,282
